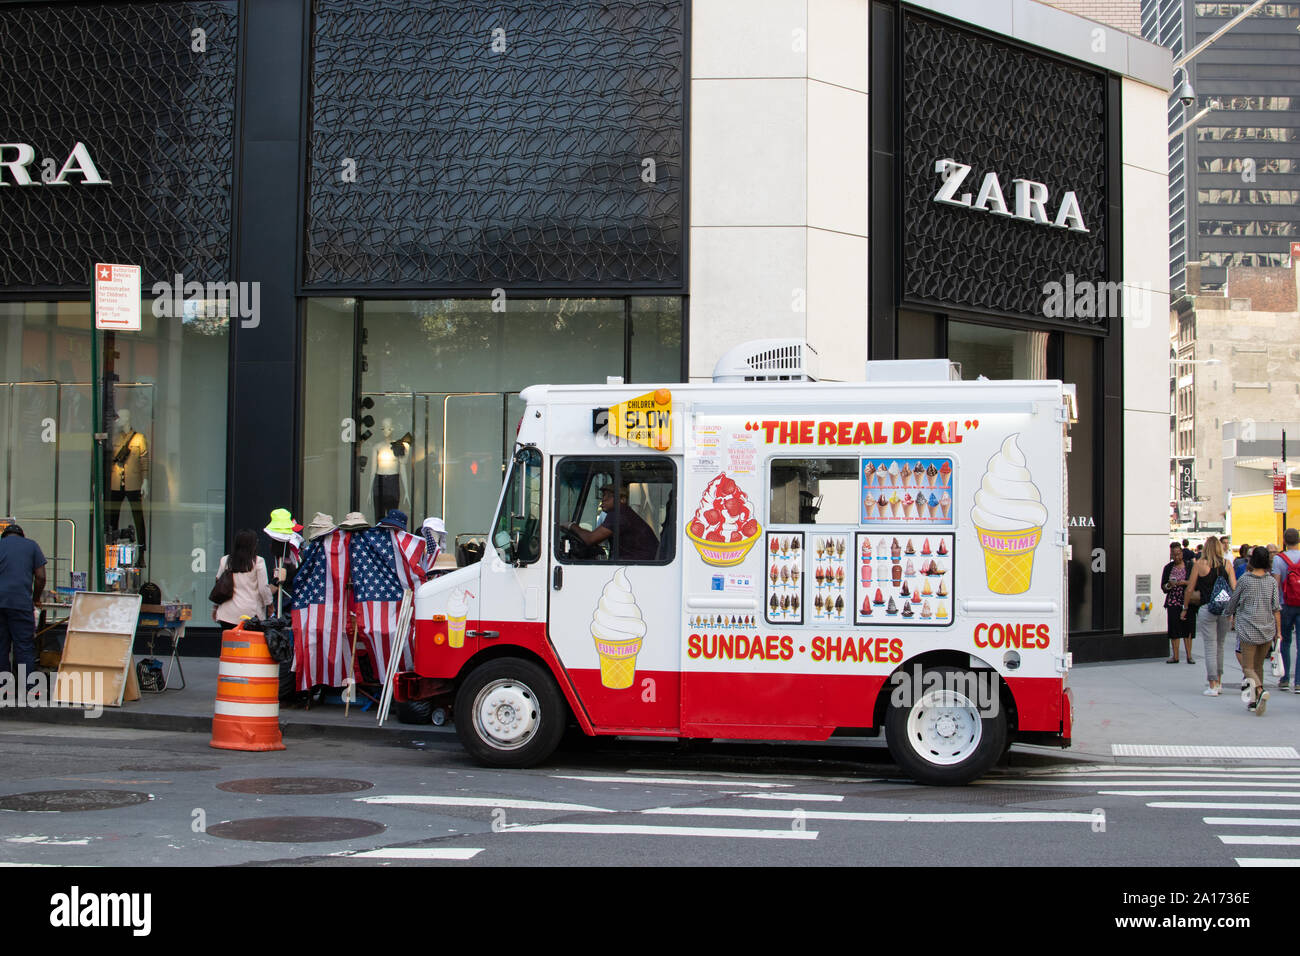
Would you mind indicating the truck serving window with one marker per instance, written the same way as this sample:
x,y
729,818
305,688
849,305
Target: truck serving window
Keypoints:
x,y
814,491
517,535
615,510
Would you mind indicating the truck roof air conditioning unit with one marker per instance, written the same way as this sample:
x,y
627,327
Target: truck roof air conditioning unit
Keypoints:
x,y
768,360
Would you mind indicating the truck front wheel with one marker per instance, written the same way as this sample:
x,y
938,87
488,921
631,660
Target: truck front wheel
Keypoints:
x,y
509,713
939,735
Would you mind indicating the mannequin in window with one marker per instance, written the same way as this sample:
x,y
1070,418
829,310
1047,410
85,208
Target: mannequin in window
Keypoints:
x,y
128,476
388,460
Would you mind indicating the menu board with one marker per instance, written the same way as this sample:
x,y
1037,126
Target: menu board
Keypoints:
x,y
904,578
830,573
785,578
916,491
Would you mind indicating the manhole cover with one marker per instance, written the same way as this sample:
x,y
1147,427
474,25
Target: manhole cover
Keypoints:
x,y
166,768
295,786
62,801
296,829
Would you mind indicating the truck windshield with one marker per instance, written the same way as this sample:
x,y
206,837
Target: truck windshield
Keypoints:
x,y
517,532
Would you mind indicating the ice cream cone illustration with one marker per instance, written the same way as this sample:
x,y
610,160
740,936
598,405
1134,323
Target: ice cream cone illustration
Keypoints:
x,y
1008,516
457,610
618,630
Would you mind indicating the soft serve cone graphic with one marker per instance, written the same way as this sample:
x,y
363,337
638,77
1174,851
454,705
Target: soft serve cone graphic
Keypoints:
x,y
1008,516
618,630
457,610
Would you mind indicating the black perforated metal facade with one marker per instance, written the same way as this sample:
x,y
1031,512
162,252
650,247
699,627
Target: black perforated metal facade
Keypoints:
x,y
483,158
997,108
157,116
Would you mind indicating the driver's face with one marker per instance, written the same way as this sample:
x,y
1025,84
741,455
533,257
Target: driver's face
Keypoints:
x,y
607,499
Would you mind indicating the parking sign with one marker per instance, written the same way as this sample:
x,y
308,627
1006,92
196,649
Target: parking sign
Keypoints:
x,y
117,297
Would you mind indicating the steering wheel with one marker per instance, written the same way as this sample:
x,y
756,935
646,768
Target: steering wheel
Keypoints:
x,y
577,547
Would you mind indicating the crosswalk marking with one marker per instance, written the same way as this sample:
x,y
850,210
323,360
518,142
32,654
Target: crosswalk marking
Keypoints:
x,y
1199,793
493,802
1138,783
604,829
1191,750
1259,840
416,853
1027,817
672,781
1263,861
1252,821
1198,805
806,797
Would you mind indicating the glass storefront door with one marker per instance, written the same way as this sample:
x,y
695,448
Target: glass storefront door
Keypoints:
x,y
436,389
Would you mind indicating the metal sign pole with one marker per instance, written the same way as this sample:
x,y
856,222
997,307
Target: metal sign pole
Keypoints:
x,y
97,445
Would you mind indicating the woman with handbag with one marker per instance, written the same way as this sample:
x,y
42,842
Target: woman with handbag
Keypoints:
x,y
245,582
1257,613
1213,580
1173,581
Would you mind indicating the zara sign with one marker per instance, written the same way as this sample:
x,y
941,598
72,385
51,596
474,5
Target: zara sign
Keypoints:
x,y
16,157
1030,198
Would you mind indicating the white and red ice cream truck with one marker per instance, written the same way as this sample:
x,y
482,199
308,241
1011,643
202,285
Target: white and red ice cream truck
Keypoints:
x,y
768,560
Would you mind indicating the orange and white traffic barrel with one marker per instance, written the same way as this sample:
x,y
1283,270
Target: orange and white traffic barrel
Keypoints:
x,y
247,714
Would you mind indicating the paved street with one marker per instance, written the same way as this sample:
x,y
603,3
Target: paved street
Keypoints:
x,y
416,799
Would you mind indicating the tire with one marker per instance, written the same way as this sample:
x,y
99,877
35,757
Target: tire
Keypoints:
x,y
415,711
509,713
939,737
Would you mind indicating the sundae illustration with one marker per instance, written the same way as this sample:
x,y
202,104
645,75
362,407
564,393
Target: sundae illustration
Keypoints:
x,y
1008,516
724,528
618,630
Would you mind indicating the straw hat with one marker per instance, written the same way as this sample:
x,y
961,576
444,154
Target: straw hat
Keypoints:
x,y
354,521
321,524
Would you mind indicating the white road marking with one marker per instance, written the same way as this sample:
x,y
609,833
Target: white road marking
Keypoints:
x,y
1262,861
1252,821
670,781
46,841
602,829
504,804
1259,840
415,853
1139,783
1195,805
1062,817
1096,771
1186,750
1199,793
807,797
100,733
1205,776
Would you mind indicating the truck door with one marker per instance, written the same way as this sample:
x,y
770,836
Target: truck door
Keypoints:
x,y
616,588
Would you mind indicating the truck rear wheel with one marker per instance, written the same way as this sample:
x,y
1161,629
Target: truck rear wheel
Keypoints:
x,y
509,713
940,737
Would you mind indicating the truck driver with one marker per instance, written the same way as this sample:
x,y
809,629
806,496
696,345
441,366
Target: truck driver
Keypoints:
x,y
635,540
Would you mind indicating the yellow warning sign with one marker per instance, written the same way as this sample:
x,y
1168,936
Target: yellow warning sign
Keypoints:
x,y
644,420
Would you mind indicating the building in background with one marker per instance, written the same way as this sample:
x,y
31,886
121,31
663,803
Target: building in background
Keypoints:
x,y
1234,177
1234,386
1123,15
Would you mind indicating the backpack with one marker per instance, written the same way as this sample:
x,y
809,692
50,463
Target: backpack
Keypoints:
x,y
1220,594
1290,581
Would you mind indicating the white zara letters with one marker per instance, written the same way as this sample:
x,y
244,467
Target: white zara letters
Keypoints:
x,y
1030,198
16,157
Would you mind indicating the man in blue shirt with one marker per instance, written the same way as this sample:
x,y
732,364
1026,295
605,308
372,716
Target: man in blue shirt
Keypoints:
x,y
22,580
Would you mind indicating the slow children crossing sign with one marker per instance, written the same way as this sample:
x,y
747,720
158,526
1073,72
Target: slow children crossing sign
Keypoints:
x,y
644,420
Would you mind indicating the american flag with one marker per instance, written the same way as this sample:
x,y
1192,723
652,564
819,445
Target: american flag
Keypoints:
x,y
320,613
385,562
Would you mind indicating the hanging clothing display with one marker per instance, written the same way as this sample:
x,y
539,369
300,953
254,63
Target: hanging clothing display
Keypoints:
x,y
384,562
128,472
322,649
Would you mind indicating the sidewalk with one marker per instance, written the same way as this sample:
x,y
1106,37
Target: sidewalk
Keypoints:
x,y
1123,702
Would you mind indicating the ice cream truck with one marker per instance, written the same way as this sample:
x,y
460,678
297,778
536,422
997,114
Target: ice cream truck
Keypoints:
x,y
768,557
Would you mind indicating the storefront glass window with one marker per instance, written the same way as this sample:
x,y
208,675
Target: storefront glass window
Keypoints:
x,y
438,392
1080,364
165,413
997,353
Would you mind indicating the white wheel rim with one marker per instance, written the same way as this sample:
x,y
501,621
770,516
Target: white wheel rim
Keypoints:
x,y
944,727
506,714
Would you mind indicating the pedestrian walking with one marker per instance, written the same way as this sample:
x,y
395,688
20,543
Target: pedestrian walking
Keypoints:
x,y
1241,564
1257,616
1211,577
252,593
22,581
1286,571
1173,581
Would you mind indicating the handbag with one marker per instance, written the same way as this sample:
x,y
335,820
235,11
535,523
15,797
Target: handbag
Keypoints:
x,y
1220,595
224,589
